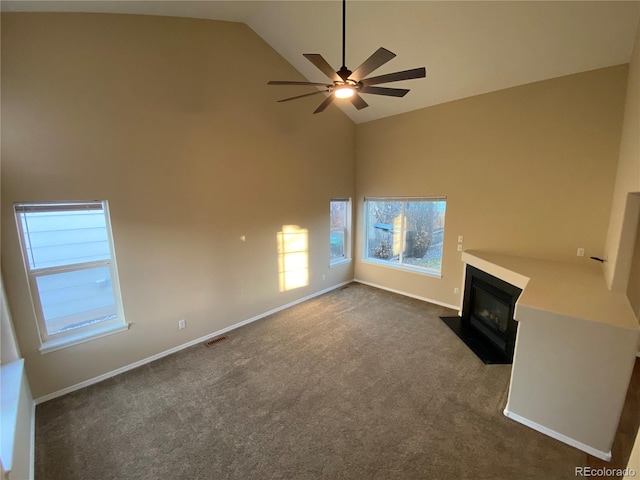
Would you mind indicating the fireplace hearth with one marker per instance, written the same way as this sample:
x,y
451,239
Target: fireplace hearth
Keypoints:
x,y
487,326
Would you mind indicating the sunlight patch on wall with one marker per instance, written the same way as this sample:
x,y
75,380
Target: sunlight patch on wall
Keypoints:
x,y
398,228
293,257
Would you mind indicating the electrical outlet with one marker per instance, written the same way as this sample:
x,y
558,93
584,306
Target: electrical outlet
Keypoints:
x,y
459,238
459,247
456,290
580,252
182,324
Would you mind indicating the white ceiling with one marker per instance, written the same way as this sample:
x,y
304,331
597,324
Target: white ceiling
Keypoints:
x,y
468,48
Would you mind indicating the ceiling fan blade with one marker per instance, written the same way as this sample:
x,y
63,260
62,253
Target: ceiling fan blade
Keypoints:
x,y
325,104
359,102
319,61
302,96
375,61
389,92
286,82
396,76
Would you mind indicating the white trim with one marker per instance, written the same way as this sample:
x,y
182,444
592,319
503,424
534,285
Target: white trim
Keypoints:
x,y
348,229
69,267
436,198
417,297
341,261
54,341
157,356
406,267
606,456
85,336
57,206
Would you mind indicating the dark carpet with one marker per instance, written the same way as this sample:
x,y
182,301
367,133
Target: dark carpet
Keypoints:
x,y
359,383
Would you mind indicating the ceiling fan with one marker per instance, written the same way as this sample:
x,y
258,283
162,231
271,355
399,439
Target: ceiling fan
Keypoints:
x,y
348,84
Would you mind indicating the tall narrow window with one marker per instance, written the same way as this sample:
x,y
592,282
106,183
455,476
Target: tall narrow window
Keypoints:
x,y
340,223
405,232
70,261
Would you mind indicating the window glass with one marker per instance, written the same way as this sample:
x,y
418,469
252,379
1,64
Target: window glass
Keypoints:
x,y
69,258
340,224
74,299
405,232
55,238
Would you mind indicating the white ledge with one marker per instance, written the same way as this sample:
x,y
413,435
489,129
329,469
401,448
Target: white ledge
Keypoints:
x,y
574,290
12,376
341,261
70,340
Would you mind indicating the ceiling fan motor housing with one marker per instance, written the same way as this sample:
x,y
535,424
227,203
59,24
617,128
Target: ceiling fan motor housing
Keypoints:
x,y
344,73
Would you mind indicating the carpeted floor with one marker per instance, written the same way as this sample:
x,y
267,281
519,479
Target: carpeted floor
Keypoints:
x,y
356,384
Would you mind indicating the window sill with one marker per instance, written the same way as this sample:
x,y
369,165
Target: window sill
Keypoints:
x,y
404,268
341,261
68,341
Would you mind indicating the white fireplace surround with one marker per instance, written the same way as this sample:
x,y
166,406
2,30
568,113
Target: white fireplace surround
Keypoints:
x,y
575,349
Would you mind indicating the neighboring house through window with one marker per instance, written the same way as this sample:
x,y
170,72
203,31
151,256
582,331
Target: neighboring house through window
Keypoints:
x,y
340,226
405,232
70,262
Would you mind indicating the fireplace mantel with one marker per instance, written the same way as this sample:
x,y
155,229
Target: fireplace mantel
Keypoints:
x,y
575,290
575,349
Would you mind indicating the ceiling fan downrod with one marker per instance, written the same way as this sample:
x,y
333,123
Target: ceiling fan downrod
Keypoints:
x,y
344,72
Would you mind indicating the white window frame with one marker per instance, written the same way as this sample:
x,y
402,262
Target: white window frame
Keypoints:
x,y
56,341
346,258
399,265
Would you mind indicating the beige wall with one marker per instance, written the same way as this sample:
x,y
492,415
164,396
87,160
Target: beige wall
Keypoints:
x,y
633,288
527,171
172,122
625,206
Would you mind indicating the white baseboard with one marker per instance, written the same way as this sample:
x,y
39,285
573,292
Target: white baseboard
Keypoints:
x,y
418,297
158,356
606,456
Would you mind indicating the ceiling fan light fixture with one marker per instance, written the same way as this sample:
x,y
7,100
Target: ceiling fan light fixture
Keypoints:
x,y
349,84
344,91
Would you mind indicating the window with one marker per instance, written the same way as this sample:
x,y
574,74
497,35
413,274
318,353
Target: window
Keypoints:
x,y
405,232
69,258
340,223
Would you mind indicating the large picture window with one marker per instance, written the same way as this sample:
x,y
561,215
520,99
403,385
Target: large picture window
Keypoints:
x,y
405,232
69,258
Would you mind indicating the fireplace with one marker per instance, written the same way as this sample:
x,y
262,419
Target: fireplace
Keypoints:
x,y
487,326
487,311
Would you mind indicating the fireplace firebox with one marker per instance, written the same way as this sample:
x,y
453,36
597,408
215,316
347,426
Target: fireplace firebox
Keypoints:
x,y
487,325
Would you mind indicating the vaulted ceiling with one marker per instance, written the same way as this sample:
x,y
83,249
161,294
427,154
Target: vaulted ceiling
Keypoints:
x,y
468,48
